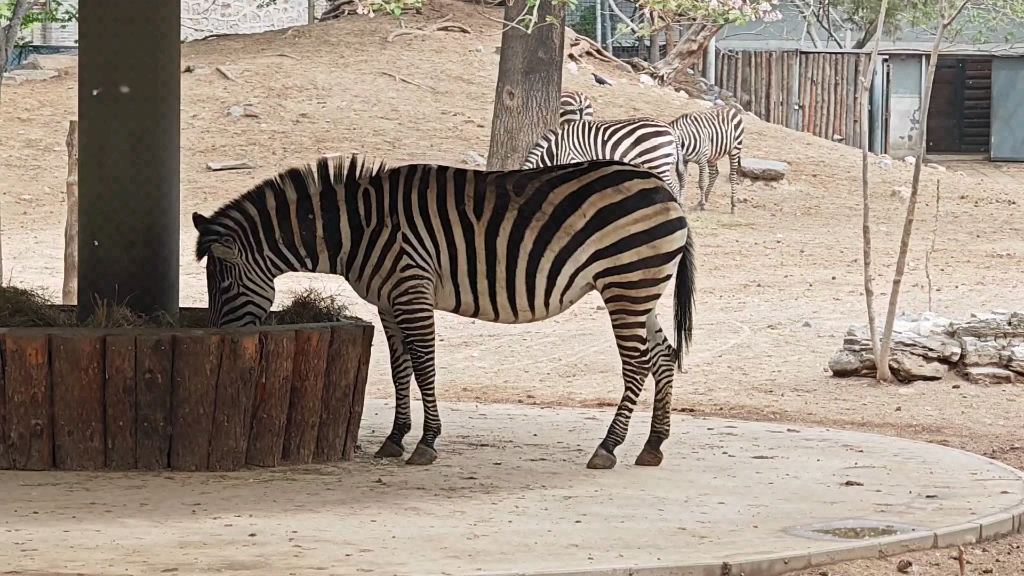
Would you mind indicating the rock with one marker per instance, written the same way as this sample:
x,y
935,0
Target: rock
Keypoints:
x,y
901,193
935,166
909,368
34,75
624,67
910,160
9,79
53,62
645,79
1017,321
980,352
236,111
476,159
807,323
935,347
846,364
758,169
884,163
988,375
572,67
1013,359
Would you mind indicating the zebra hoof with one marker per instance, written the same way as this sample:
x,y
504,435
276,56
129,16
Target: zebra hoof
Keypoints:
x,y
389,450
601,460
648,457
422,456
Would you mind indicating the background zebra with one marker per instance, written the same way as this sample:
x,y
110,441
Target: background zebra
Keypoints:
x,y
509,247
705,137
574,106
642,141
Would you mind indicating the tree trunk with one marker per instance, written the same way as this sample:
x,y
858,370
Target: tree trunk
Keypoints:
x,y
8,37
529,84
687,52
882,360
865,89
70,290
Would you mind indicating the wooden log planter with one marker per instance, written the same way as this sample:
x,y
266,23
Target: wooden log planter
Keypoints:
x,y
184,399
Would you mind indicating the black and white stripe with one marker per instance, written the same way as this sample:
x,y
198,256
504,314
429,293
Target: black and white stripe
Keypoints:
x,y
511,247
705,137
574,106
641,141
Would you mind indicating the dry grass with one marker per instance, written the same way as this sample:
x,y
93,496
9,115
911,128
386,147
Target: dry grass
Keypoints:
x,y
310,306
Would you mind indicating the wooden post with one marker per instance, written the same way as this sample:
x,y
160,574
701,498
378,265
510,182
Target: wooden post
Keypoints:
x,y
346,360
311,10
5,453
197,358
69,294
29,405
795,104
236,386
830,91
307,394
76,362
153,401
358,394
120,422
270,406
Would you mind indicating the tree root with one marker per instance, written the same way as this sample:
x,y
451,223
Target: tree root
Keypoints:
x,y
440,27
577,47
406,80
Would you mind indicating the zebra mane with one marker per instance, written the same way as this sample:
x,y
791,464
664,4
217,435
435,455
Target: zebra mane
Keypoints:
x,y
339,170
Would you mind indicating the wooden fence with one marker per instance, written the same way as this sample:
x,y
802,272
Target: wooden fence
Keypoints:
x,y
813,92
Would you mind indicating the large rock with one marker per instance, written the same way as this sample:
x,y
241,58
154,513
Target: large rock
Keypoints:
x,y
938,347
53,62
758,169
846,364
11,79
981,352
1013,359
908,368
34,74
987,375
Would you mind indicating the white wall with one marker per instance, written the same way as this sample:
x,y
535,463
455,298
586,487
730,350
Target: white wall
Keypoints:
x,y
904,105
201,18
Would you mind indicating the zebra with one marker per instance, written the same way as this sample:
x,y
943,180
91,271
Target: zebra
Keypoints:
x,y
503,246
574,106
645,142
704,137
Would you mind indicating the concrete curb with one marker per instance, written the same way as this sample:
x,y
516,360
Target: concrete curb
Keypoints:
x,y
991,527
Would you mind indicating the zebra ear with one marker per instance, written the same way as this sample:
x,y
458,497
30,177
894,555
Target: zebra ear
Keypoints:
x,y
225,250
200,221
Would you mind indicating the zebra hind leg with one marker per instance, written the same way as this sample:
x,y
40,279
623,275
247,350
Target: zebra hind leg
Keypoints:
x,y
631,340
702,182
414,314
401,375
662,368
712,178
734,178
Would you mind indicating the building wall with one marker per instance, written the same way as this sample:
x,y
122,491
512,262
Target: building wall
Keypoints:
x,y
904,104
201,18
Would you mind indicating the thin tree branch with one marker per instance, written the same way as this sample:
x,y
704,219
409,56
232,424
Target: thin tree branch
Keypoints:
x,y
956,14
618,12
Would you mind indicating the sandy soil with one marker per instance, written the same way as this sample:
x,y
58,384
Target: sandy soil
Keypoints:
x,y
778,282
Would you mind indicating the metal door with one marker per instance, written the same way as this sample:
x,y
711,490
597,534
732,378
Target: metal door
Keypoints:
x,y
1007,110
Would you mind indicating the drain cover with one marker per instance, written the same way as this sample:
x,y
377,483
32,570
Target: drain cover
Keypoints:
x,y
853,530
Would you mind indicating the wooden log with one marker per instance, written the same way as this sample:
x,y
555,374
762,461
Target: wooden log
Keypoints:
x,y
29,406
236,386
851,103
358,394
745,81
69,292
830,92
77,366
119,393
805,92
774,79
309,369
197,358
756,91
273,391
345,359
5,453
737,77
844,103
154,354
822,96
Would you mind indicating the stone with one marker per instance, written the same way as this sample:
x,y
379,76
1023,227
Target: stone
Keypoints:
x,y
1017,321
758,169
53,62
1013,359
980,352
909,368
884,163
935,166
236,111
984,375
10,79
901,193
33,75
476,159
936,347
910,160
846,364
645,79
572,67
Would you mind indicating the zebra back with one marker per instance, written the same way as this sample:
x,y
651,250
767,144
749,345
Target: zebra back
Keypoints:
x,y
717,132
575,106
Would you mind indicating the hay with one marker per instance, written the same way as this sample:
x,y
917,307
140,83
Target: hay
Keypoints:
x,y
25,308
311,306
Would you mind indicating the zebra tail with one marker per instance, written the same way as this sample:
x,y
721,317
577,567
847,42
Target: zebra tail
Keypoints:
x,y
684,298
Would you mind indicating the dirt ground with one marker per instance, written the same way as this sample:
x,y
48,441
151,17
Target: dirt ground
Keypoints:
x,y
778,283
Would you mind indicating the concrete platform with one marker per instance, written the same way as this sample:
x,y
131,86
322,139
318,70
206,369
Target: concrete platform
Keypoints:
x,y
510,494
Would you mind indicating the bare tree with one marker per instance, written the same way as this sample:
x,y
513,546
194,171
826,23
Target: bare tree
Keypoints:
x,y
529,80
8,37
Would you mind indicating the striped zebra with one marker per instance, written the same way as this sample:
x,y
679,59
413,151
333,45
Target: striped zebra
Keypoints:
x,y
509,247
574,106
642,141
705,137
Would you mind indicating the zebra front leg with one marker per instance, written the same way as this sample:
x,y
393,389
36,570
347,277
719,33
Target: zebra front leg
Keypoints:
x,y
414,314
702,183
631,340
712,178
401,375
734,179
681,166
662,368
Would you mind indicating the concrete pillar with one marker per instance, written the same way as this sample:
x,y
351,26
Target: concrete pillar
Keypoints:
x,y
129,95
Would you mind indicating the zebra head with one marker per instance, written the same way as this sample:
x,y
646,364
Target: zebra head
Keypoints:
x,y
240,289
574,106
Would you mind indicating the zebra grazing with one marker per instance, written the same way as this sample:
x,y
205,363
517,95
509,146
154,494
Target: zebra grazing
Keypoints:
x,y
705,137
642,141
510,247
574,106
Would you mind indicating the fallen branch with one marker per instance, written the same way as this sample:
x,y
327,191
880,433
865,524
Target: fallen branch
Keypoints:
x,y
230,165
226,74
406,80
578,46
286,55
441,27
